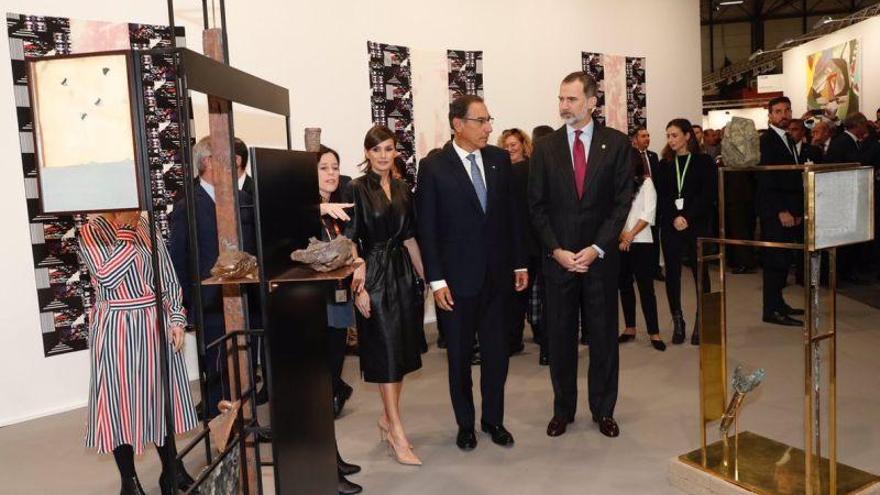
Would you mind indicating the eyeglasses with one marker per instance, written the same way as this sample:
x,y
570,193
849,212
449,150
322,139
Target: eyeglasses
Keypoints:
x,y
482,121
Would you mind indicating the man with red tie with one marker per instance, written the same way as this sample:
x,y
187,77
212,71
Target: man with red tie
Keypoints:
x,y
580,190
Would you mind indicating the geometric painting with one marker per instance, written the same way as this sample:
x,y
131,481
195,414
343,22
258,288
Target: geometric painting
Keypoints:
x,y
834,80
465,73
614,88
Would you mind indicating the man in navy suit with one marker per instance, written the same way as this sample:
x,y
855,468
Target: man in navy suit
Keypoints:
x,y
208,247
474,258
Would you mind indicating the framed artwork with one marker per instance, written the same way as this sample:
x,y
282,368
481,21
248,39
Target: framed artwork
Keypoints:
x,y
834,80
83,121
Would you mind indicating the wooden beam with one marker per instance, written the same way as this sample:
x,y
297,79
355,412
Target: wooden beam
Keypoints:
x,y
225,201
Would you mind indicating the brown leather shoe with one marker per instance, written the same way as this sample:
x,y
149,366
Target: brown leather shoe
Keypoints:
x,y
557,426
607,426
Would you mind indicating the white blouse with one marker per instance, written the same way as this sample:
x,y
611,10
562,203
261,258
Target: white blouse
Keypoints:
x,y
644,207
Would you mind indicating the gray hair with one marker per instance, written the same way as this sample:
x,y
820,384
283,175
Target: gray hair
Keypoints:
x,y
200,152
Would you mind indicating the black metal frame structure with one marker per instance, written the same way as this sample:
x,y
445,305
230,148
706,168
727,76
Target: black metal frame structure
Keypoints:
x,y
196,72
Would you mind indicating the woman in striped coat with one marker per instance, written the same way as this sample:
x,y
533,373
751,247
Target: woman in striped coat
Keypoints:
x,y
126,401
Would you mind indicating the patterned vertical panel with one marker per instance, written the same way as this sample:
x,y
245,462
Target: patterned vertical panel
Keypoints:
x,y
465,73
593,65
636,95
391,99
64,292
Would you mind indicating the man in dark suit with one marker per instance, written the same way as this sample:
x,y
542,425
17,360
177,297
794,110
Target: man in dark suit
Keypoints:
x,y
649,161
473,254
849,146
208,251
580,191
806,152
780,204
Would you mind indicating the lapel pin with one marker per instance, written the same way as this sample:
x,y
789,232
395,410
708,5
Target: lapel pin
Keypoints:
x,y
603,146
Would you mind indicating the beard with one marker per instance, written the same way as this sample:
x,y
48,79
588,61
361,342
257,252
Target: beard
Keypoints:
x,y
573,118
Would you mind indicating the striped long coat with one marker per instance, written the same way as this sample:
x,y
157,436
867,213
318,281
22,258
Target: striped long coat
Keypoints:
x,y
126,403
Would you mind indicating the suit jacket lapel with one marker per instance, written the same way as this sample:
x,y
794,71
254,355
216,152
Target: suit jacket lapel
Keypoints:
x,y
491,173
457,170
562,153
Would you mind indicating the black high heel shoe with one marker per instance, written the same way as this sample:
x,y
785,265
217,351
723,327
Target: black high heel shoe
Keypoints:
x,y
182,482
678,328
625,337
132,486
658,344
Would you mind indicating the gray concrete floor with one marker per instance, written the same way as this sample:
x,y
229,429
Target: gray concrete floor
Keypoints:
x,y
657,412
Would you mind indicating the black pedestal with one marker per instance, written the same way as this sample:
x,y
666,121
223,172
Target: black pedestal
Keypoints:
x,y
303,437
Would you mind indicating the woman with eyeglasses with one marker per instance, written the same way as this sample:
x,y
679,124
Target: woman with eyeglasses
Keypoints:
x,y
684,187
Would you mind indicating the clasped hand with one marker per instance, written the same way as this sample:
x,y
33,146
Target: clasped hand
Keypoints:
x,y
576,262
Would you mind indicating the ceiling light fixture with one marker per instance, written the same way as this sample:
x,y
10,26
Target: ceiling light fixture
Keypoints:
x,y
731,2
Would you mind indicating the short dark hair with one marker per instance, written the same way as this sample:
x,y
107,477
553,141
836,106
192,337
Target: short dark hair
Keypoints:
x,y
799,122
697,125
323,150
776,101
241,151
854,119
588,81
636,130
459,107
541,131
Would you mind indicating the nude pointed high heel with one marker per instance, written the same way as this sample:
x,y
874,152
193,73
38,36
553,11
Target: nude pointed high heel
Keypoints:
x,y
384,430
403,455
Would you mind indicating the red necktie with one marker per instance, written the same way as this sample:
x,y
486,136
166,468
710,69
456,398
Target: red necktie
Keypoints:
x,y
580,164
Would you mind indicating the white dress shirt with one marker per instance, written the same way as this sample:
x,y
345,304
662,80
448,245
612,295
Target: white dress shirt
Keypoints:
x,y
462,155
208,189
644,207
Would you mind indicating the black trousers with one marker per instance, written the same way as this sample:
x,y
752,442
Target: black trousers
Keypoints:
x,y
776,262
483,315
676,244
520,308
655,258
740,219
639,263
336,343
595,292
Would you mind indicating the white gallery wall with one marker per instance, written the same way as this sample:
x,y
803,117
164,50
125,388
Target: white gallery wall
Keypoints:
x,y
794,65
318,50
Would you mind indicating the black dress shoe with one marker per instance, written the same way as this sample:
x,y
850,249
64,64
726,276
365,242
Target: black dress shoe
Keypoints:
x,y
345,487
855,280
658,344
500,435
543,358
789,311
346,468
695,337
517,349
742,270
557,426
678,329
132,486
607,426
441,342
340,398
475,360
466,439
625,337
585,339
182,482
778,318
658,275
